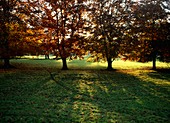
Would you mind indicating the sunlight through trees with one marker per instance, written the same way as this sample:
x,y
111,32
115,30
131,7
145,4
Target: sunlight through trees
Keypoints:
x,y
107,29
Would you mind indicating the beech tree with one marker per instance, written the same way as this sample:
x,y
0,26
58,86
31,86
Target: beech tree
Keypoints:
x,y
145,31
162,45
17,38
10,27
64,19
110,21
5,19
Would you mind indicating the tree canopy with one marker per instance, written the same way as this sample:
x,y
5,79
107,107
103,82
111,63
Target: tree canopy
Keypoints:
x,y
110,19
10,27
136,30
147,35
63,20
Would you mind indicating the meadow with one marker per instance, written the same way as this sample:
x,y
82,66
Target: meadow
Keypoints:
x,y
38,91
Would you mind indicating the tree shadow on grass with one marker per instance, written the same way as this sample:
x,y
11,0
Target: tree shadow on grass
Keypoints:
x,y
89,96
103,96
162,74
16,94
133,100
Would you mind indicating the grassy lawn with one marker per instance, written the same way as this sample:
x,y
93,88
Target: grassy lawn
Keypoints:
x,y
38,91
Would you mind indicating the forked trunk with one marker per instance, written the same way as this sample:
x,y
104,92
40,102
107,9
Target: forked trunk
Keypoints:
x,y
64,64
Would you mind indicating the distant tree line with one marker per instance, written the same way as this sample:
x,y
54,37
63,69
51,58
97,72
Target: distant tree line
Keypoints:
x,y
135,30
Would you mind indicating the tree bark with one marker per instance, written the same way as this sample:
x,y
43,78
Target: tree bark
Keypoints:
x,y
47,56
109,62
7,63
154,61
64,64
6,13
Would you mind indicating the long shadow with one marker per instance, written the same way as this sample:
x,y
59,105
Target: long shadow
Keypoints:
x,y
101,96
89,96
131,99
16,95
162,74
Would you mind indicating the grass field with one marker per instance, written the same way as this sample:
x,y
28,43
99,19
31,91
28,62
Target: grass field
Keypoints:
x,y
38,91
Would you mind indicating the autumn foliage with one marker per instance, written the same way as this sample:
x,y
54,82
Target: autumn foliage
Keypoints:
x,y
106,29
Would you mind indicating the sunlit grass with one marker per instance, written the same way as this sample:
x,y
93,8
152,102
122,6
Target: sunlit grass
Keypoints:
x,y
117,64
83,64
86,93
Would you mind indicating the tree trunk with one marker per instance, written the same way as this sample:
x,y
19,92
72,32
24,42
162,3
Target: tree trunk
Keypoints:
x,y
7,64
154,61
6,14
109,61
64,64
47,56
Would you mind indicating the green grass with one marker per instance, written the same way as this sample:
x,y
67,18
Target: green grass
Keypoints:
x,y
38,91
